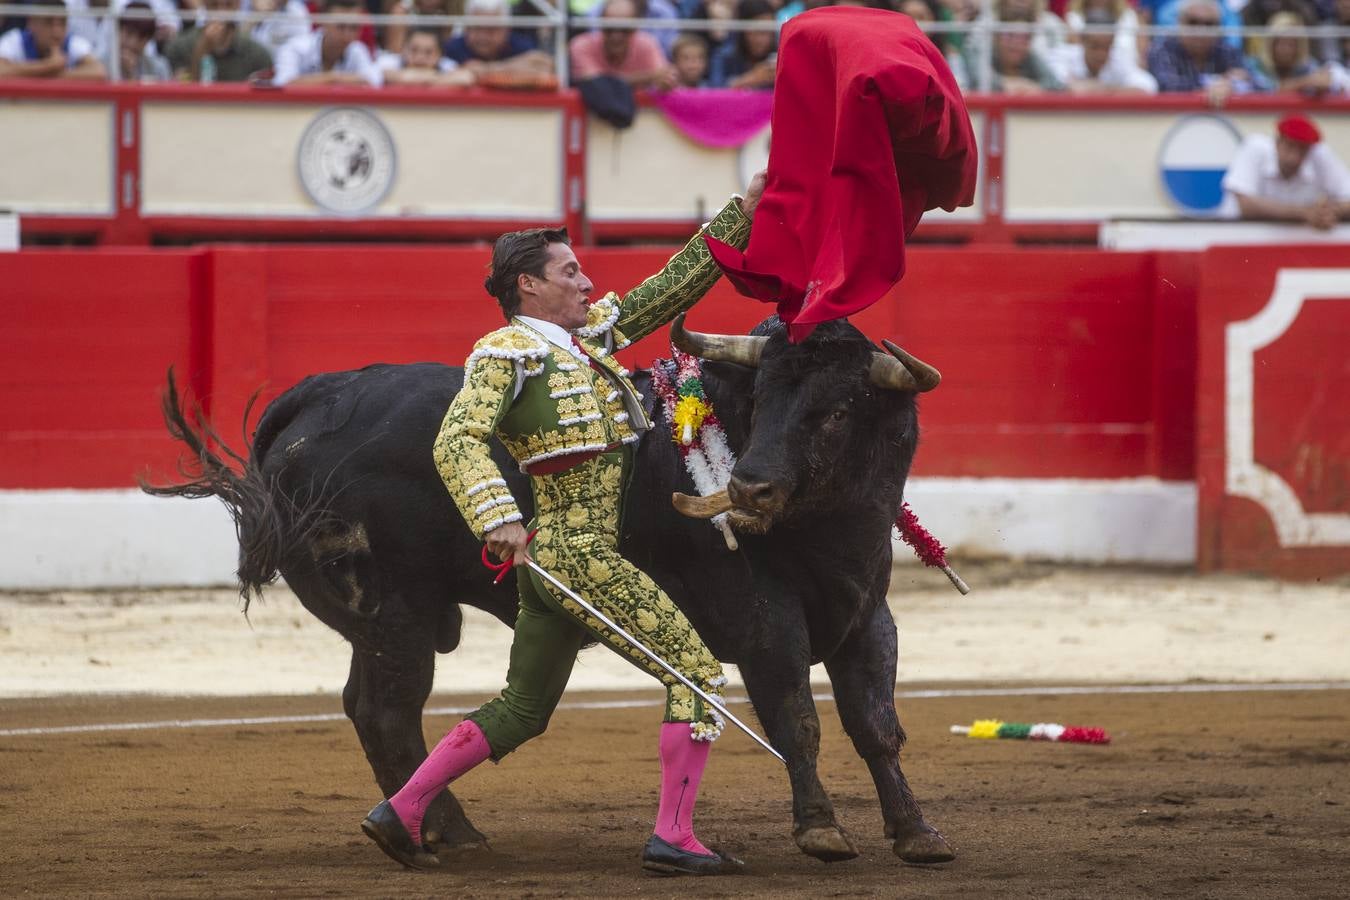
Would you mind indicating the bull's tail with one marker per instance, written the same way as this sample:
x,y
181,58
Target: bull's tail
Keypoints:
x,y
263,521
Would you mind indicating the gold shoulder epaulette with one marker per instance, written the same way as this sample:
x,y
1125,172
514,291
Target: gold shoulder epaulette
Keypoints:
x,y
514,343
601,317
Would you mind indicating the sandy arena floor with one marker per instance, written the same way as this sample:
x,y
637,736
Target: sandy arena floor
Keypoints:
x,y
1022,622
1205,793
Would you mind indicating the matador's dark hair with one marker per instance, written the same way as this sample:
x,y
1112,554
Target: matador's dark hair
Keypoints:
x,y
519,253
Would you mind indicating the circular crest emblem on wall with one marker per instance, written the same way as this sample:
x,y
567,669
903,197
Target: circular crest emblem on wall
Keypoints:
x,y
1194,156
346,160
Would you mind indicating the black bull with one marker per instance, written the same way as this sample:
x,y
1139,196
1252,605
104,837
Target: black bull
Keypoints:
x,y
340,495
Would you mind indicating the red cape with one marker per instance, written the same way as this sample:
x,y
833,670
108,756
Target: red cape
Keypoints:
x,y
869,131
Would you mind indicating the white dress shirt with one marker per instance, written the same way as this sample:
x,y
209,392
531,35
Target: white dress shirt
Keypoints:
x,y
556,335
303,55
12,48
1255,171
1120,70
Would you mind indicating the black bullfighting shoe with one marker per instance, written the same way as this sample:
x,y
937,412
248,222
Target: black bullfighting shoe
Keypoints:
x,y
383,827
660,858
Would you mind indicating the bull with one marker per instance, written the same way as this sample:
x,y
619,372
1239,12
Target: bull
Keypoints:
x,y
340,495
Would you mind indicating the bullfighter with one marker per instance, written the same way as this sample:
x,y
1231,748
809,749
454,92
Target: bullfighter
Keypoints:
x,y
548,386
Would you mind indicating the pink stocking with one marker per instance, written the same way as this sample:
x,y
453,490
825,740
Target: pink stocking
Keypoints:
x,y
682,762
459,751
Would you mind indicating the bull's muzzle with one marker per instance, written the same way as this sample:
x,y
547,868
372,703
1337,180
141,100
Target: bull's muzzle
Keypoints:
x,y
756,496
751,506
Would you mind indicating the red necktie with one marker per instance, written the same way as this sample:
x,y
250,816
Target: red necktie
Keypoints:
x,y
581,351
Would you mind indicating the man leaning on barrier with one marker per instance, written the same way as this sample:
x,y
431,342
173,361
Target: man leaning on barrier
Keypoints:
x,y
1199,62
332,54
496,51
217,50
134,61
1292,177
44,48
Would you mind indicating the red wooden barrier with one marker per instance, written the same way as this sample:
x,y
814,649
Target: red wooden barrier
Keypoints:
x,y
1060,364
1274,420
86,342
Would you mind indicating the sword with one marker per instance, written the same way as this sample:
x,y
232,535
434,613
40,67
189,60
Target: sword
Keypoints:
x,y
614,626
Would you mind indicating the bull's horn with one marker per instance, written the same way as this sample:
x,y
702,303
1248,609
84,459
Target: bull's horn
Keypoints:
x,y
701,507
732,348
899,371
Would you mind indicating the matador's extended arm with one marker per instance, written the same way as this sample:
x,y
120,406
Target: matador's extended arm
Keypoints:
x,y
683,280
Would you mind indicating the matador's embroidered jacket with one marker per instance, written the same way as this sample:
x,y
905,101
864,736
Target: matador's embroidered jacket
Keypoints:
x,y
542,402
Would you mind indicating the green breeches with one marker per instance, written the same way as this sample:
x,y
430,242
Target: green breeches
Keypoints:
x,y
578,521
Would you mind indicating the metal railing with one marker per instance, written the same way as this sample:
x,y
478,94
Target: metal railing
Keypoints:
x,y
981,29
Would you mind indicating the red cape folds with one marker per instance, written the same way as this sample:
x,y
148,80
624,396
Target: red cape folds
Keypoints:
x,y
869,131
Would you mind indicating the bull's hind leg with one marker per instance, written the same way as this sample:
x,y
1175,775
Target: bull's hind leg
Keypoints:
x,y
394,641
386,691
862,672
778,680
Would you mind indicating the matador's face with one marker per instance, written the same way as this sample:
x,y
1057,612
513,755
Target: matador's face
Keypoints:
x,y
560,296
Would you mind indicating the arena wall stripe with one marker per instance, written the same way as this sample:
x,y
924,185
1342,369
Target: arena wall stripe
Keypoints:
x,y
125,539
655,701
1048,355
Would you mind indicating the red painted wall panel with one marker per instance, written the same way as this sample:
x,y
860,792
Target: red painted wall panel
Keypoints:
x,y
1297,409
1050,357
1176,288
86,342
1304,433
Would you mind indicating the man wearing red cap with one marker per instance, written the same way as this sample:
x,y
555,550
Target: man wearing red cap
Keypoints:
x,y
1293,177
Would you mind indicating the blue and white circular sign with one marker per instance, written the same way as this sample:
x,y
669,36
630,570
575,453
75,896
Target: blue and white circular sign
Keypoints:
x,y
1195,155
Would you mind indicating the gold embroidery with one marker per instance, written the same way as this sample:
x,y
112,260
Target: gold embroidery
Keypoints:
x,y
577,543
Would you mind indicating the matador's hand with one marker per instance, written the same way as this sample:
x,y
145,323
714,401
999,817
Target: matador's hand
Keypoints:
x,y
753,193
509,541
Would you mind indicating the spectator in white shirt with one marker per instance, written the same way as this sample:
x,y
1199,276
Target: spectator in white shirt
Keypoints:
x,y
422,62
1120,12
98,30
43,49
330,55
287,19
1099,64
1292,177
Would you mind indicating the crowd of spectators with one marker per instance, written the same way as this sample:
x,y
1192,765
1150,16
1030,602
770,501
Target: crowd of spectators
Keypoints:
x,y
1012,46
1097,46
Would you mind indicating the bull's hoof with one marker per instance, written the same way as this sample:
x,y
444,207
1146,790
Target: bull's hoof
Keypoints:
x,y
447,827
438,842
923,847
827,843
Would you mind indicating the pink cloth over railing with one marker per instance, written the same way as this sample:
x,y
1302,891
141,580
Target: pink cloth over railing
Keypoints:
x,y
717,117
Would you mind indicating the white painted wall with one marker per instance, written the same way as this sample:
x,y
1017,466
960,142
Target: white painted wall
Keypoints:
x,y
118,539
194,164
58,156
1135,520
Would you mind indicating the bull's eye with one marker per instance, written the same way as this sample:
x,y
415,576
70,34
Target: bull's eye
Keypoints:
x,y
838,416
